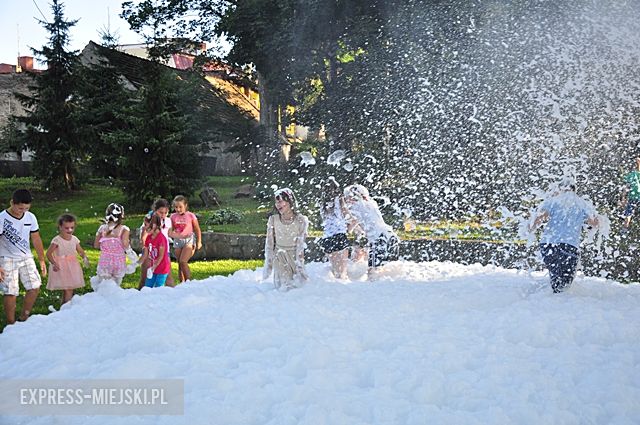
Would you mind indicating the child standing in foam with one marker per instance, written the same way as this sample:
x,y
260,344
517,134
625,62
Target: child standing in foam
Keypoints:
x,y
112,239
285,244
186,234
155,250
565,213
18,226
161,208
65,272
364,212
334,238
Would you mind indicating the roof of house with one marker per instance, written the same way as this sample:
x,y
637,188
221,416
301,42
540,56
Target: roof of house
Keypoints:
x,y
218,118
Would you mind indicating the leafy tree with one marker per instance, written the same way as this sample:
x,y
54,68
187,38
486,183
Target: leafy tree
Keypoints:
x,y
12,140
52,131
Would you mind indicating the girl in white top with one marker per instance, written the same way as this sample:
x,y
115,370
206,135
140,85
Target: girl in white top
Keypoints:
x,y
334,239
285,243
364,212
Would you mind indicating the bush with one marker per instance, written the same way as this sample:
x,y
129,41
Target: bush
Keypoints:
x,y
225,216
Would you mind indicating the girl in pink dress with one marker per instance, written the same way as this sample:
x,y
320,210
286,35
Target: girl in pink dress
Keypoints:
x,y
186,234
112,239
64,269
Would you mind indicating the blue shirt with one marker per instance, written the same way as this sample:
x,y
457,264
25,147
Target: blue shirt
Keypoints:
x,y
567,214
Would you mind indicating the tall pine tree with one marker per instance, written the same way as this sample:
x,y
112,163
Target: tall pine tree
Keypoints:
x,y
52,131
158,158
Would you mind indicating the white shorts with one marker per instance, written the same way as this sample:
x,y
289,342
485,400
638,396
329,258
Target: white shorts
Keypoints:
x,y
22,268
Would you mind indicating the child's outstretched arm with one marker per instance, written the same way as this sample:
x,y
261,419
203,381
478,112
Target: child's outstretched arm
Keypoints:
x,y
593,221
85,259
124,237
542,216
301,244
96,241
269,247
37,244
198,232
145,256
50,256
143,235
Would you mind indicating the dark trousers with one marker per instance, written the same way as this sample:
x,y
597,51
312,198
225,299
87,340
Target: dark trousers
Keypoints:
x,y
561,261
383,250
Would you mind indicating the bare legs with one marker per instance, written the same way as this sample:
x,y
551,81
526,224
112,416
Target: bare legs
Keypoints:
x,y
67,294
9,303
338,262
184,255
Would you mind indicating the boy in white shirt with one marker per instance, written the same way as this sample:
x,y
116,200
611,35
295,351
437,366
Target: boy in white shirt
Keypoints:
x,y
17,227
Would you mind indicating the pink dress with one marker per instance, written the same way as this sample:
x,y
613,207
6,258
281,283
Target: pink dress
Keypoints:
x,y
69,275
113,260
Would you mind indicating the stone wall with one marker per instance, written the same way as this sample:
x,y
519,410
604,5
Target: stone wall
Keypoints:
x,y
15,168
509,255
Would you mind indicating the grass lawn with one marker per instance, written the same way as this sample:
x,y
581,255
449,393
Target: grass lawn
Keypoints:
x,y
88,206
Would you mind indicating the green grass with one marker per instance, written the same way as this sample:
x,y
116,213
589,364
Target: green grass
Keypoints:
x,y
255,215
468,230
88,206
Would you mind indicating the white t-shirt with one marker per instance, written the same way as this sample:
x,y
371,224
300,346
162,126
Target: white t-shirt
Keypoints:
x,y
335,223
15,234
368,216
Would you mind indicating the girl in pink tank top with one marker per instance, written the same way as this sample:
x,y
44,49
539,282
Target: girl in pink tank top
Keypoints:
x,y
186,234
112,239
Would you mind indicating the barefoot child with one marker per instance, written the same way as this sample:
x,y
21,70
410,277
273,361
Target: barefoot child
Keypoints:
x,y
112,239
186,234
364,212
64,269
17,226
155,250
161,208
334,238
285,244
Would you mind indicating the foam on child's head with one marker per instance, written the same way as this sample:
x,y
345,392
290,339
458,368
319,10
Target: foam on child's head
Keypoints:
x,y
567,183
286,195
114,213
356,191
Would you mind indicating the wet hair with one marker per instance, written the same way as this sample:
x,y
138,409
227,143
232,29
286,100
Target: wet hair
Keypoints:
x,y
114,213
21,196
356,191
66,218
160,203
330,191
286,194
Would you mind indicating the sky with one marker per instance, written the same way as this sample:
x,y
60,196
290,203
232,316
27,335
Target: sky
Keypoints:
x,y
19,17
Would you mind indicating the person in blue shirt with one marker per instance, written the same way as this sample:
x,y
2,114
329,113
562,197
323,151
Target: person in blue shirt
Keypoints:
x,y
565,213
630,199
